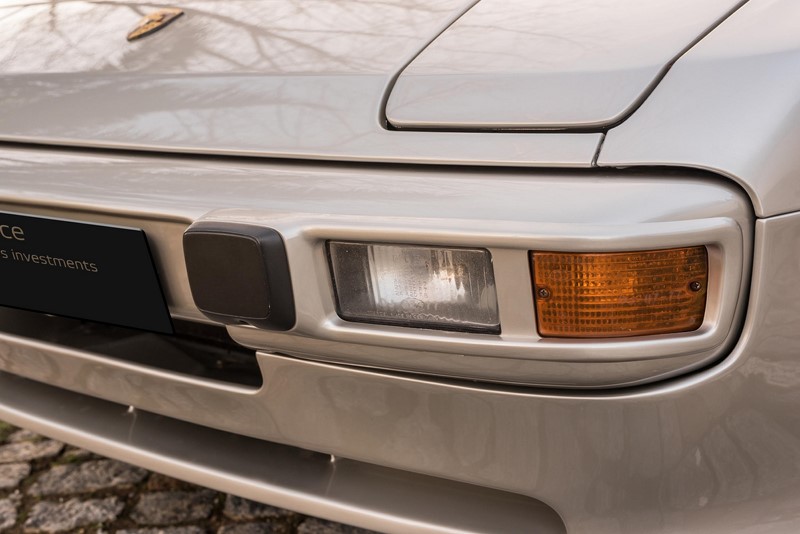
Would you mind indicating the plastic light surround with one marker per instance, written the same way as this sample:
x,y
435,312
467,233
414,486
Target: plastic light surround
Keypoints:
x,y
619,294
416,286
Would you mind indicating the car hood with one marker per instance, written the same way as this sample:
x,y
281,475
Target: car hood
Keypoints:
x,y
548,64
311,78
229,76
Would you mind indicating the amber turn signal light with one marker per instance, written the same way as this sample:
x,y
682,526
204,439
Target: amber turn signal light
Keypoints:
x,y
619,294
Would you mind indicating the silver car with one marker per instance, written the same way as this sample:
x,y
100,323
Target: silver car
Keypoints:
x,y
417,266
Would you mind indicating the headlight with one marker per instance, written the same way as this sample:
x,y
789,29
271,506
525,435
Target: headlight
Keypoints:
x,y
408,285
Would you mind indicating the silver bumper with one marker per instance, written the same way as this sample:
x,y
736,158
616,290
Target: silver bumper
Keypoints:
x,y
375,497
715,450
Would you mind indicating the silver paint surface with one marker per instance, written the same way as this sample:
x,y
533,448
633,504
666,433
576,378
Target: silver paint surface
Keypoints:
x,y
279,79
717,451
547,63
371,496
731,105
309,204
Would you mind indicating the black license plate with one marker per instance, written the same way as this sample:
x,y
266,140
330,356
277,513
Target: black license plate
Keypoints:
x,y
86,271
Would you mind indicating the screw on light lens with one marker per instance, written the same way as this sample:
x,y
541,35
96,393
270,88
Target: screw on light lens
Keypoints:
x,y
544,293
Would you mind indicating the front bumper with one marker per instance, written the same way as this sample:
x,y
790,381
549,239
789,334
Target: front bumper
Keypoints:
x,y
715,450
383,499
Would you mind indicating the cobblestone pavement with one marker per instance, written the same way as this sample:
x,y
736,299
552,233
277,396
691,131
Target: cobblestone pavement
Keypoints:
x,y
47,486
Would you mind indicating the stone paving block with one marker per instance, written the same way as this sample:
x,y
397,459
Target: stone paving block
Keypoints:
x,y
6,430
12,474
8,514
74,453
320,526
167,530
23,435
29,450
166,507
88,476
159,482
62,516
240,509
254,528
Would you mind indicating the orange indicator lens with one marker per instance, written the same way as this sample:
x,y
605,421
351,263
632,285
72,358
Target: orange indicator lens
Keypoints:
x,y
619,294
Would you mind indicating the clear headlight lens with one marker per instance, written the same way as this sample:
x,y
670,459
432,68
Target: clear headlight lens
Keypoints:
x,y
421,286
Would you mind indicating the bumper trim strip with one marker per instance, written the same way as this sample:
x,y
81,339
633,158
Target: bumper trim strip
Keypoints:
x,y
343,490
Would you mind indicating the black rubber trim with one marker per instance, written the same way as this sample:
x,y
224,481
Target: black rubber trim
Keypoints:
x,y
252,286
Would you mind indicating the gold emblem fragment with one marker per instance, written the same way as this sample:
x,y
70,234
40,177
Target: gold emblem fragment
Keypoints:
x,y
154,22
